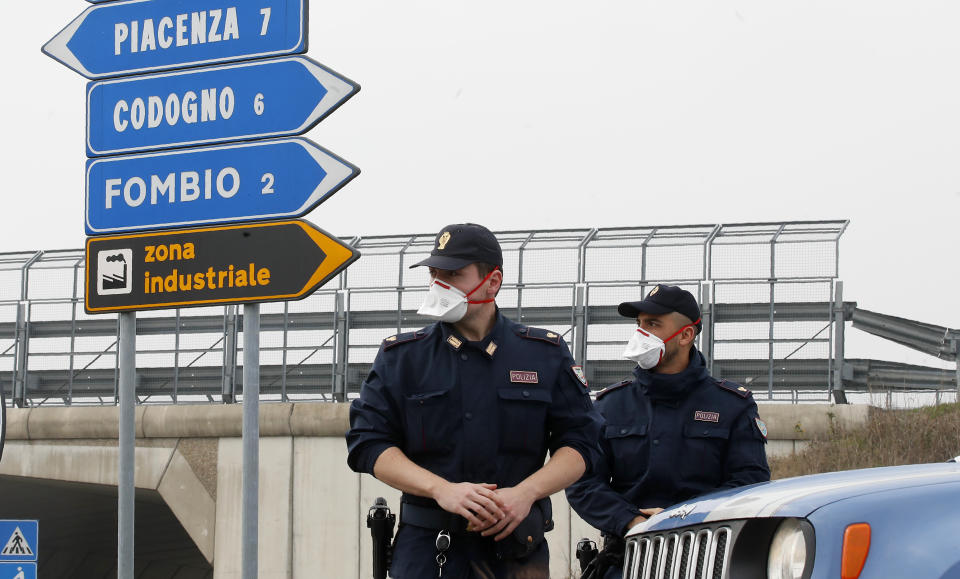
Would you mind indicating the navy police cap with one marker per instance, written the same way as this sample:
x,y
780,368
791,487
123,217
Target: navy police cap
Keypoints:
x,y
461,244
664,299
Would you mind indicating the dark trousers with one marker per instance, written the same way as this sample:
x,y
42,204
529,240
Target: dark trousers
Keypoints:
x,y
470,557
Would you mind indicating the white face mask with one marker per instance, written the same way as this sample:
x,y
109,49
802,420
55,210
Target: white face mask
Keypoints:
x,y
646,349
444,302
448,304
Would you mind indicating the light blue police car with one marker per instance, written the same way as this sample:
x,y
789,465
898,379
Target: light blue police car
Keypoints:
x,y
889,523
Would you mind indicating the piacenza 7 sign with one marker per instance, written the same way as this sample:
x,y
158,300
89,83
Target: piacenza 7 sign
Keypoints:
x,y
135,37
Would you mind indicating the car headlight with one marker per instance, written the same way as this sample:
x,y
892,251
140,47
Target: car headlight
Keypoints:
x,y
788,552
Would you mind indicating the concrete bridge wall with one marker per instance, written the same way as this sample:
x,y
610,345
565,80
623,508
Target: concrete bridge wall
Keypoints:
x,y
312,507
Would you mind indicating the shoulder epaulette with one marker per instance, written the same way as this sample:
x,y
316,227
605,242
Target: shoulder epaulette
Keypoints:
x,y
403,339
733,388
613,387
539,334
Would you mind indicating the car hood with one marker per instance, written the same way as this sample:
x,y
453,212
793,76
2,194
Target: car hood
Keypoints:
x,y
799,496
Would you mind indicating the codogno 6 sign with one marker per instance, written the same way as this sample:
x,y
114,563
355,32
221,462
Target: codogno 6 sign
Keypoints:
x,y
279,97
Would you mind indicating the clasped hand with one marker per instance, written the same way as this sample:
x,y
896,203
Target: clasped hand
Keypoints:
x,y
487,509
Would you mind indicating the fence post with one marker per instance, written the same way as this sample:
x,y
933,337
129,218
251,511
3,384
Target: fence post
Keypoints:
x,y
706,322
839,394
773,306
22,339
958,379
341,347
580,323
229,389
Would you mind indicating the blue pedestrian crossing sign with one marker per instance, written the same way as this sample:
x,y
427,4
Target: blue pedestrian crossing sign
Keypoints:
x,y
18,571
18,541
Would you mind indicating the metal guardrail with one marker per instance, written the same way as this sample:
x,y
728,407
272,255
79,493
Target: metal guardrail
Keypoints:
x,y
927,338
769,294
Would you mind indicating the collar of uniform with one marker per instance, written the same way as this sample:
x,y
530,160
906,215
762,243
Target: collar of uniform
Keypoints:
x,y
488,345
454,340
667,387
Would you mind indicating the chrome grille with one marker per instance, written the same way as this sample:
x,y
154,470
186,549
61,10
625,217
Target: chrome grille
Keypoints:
x,y
686,549
669,555
685,554
655,556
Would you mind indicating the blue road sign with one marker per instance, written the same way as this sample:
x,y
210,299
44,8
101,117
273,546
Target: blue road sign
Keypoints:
x,y
18,571
241,182
18,540
272,98
140,36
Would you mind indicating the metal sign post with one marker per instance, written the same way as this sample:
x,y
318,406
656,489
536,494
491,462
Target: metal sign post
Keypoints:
x,y
251,438
127,352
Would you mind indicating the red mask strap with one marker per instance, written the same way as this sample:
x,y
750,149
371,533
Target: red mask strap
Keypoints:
x,y
677,333
483,281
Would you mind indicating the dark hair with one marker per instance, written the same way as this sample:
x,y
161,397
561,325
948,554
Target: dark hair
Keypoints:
x,y
484,270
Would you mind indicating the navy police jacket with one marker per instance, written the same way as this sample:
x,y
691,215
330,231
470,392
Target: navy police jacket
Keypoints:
x,y
484,412
668,438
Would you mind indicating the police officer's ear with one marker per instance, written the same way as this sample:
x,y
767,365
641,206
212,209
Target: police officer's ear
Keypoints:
x,y
493,282
496,279
688,335
689,332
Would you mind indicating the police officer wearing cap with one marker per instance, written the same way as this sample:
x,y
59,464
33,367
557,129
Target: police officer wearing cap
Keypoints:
x,y
671,432
460,415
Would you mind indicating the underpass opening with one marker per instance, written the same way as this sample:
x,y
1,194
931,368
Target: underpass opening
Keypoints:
x,y
78,530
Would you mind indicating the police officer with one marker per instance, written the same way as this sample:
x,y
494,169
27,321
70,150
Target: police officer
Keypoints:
x,y
459,416
672,432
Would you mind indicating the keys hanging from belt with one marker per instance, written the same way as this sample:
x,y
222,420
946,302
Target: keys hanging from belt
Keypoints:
x,y
443,544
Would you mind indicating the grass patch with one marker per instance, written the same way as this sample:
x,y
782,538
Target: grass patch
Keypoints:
x,y
890,438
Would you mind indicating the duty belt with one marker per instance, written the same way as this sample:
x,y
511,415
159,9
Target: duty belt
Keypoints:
x,y
433,518
613,544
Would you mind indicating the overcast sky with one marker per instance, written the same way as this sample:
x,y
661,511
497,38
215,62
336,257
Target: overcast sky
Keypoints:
x,y
541,114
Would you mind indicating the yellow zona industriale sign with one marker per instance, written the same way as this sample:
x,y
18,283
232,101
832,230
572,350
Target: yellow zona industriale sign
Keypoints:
x,y
251,262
